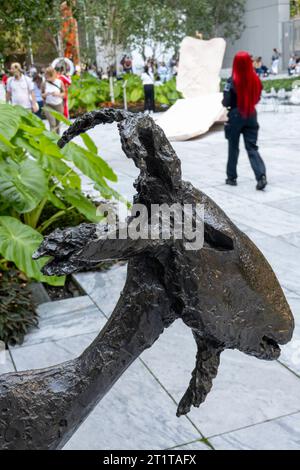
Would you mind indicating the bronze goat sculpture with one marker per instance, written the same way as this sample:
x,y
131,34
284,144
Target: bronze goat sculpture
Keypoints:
x,y
225,292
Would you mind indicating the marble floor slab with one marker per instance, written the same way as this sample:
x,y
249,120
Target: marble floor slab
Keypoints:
x,y
135,414
291,205
104,288
279,434
267,219
40,355
248,389
6,363
196,445
64,318
292,239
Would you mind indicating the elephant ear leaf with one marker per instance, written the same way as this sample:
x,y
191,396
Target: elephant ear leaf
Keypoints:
x,y
23,184
18,242
87,140
82,204
9,120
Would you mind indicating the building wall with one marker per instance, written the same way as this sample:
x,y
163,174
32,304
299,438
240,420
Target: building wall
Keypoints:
x,y
263,21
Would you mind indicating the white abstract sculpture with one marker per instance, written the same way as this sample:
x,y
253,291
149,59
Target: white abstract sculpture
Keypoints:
x,y
198,80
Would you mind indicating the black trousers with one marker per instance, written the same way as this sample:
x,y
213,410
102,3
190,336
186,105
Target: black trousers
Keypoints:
x,y
149,98
236,126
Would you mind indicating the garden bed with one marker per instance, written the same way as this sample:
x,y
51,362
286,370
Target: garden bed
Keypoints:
x,y
88,93
40,189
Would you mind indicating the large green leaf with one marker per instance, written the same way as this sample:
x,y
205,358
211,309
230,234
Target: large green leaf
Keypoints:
x,y
29,118
30,129
9,120
91,165
53,165
87,140
23,184
82,204
60,117
135,95
89,143
21,140
56,201
6,142
18,243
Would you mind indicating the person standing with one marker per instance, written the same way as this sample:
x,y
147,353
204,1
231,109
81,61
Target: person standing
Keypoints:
x,y
67,82
163,72
20,89
38,83
53,92
241,94
275,61
148,83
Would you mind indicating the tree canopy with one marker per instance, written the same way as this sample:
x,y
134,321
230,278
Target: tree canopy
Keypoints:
x,y
128,23
295,7
142,23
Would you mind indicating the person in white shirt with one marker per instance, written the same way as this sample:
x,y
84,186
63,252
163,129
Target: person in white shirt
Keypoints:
x,y
20,89
53,92
148,83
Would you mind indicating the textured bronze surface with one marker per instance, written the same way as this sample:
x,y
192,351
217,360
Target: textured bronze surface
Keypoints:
x,y
225,292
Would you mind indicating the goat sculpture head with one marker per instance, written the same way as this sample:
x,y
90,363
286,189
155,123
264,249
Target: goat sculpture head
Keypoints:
x,y
226,292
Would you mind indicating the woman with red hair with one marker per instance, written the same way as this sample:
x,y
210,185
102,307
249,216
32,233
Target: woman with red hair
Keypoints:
x,y
241,94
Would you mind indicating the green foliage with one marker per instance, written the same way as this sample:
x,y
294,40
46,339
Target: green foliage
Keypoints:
x,y
17,314
213,17
88,93
17,244
295,7
157,24
35,172
167,93
21,19
278,83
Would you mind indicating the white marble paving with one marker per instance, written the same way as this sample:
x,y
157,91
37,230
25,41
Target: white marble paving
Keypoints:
x,y
196,445
135,414
291,205
292,239
104,288
62,319
269,220
246,390
6,364
40,355
279,434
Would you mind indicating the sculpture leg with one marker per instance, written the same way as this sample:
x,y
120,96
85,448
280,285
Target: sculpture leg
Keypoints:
x,y
41,409
207,363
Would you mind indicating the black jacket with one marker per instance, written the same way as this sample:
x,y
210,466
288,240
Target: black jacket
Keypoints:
x,y
229,95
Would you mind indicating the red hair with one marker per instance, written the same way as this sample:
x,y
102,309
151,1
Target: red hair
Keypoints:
x,y
246,82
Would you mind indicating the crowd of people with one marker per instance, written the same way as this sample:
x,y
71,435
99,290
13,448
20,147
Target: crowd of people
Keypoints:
x,y
43,89
263,71
39,90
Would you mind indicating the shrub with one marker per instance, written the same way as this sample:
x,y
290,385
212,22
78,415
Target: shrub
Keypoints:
x,y
87,93
35,172
17,314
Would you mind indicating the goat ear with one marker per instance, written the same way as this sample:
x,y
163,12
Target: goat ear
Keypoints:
x,y
217,239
